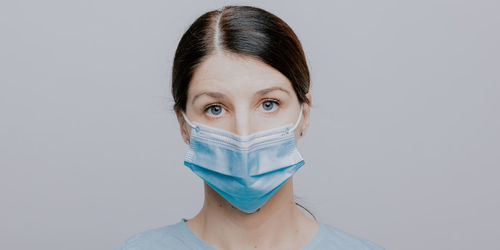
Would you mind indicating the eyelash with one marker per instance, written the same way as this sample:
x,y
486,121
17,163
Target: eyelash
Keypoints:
x,y
212,105
276,101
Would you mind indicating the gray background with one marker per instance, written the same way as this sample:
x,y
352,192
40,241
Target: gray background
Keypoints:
x,y
403,148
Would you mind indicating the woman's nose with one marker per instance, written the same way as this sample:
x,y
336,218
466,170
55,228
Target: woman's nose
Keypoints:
x,y
241,124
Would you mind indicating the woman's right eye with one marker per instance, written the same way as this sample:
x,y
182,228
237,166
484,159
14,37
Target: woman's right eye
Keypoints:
x,y
214,110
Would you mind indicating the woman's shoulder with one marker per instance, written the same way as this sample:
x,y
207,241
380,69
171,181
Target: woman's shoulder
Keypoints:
x,y
330,237
166,237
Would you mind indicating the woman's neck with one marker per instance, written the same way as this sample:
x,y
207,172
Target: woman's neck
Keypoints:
x,y
277,224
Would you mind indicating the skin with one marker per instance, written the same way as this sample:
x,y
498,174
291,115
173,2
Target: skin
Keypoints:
x,y
247,96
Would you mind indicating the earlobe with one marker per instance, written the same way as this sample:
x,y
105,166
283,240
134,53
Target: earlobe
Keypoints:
x,y
182,126
306,114
185,136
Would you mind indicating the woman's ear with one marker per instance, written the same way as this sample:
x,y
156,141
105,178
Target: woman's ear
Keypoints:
x,y
183,126
306,111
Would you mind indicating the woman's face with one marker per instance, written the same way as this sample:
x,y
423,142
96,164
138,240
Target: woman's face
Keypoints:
x,y
241,95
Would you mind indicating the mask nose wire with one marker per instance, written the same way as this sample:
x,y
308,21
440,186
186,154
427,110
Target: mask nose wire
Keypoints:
x,y
298,120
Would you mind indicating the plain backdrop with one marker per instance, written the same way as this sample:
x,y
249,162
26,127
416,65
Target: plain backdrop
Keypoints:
x,y
403,147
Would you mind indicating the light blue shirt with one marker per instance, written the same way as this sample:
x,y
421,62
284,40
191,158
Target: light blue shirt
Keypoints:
x,y
180,236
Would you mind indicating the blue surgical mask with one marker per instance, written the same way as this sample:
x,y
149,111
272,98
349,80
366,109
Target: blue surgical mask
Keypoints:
x,y
245,170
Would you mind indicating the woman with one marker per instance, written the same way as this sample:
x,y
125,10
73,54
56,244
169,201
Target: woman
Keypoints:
x,y
240,84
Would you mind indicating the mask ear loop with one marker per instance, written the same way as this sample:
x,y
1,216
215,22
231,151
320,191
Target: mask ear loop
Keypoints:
x,y
189,122
298,120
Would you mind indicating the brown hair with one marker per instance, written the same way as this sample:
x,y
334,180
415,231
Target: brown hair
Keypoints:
x,y
240,30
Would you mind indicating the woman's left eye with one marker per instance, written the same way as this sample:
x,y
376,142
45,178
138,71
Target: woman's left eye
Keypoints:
x,y
269,105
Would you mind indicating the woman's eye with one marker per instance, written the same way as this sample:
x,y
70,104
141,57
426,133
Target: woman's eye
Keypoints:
x,y
269,105
214,110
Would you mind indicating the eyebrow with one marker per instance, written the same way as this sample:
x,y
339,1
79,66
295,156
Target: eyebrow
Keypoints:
x,y
265,91
218,95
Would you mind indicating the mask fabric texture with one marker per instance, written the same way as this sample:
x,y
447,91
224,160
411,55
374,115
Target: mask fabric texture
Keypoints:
x,y
245,170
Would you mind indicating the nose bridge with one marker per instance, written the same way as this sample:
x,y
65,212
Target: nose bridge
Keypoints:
x,y
241,122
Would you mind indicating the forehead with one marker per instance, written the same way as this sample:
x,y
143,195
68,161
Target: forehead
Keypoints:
x,y
236,75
